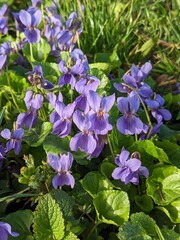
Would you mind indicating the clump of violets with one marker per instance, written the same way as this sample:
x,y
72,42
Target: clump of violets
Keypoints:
x,y
129,168
5,231
62,165
139,93
14,139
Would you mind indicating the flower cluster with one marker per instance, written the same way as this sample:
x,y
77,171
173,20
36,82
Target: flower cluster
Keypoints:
x,y
85,119
139,93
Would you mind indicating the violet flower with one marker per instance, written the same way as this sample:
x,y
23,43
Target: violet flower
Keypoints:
x,y
84,140
70,35
62,119
5,230
14,139
99,113
156,109
33,104
135,79
129,123
83,86
3,19
61,164
69,76
31,20
36,3
36,78
19,25
5,49
128,169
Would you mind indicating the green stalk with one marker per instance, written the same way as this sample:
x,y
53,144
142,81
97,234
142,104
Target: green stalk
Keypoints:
x,y
159,233
111,148
92,228
31,52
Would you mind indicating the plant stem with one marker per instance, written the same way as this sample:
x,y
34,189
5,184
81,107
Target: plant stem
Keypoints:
x,y
31,52
111,148
93,227
159,233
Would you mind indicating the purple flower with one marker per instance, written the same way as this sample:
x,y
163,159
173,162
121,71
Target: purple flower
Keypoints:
x,y
36,78
83,86
3,19
129,123
19,25
69,76
61,164
128,169
14,139
136,80
4,52
84,140
141,74
61,119
156,109
70,35
5,230
31,20
99,113
36,3
33,104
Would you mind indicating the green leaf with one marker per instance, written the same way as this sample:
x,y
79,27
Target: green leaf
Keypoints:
x,y
147,149
172,210
144,202
112,207
36,136
65,202
107,169
164,185
40,51
172,150
146,47
145,221
169,234
132,232
100,66
56,145
95,182
105,85
70,236
20,222
48,220
141,227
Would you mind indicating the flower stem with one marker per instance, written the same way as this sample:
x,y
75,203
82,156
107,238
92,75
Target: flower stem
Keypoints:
x,y
111,148
92,228
31,52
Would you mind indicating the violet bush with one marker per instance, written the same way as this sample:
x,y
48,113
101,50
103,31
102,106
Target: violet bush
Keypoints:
x,y
82,154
